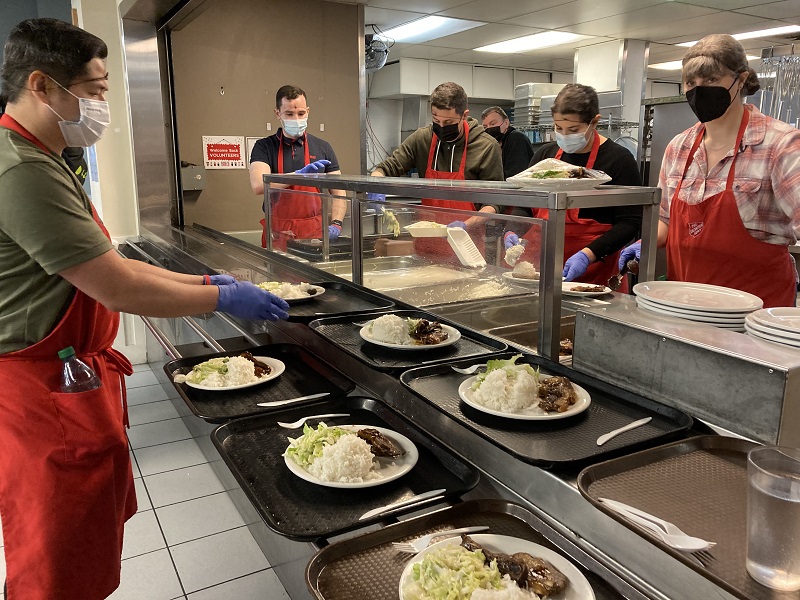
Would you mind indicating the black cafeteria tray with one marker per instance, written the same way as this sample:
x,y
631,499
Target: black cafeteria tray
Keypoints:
x,y
368,568
305,374
339,299
343,332
700,484
341,249
557,443
253,449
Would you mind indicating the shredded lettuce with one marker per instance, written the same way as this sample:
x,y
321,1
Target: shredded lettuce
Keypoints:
x,y
449,573
204,369
412,325
512,369
308,447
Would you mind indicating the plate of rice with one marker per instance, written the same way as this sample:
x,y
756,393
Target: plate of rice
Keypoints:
x,y
400,333
293,293
511,391
447,570
229,373
336,457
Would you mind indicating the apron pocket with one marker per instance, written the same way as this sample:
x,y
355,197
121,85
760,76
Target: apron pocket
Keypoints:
x,y
89,422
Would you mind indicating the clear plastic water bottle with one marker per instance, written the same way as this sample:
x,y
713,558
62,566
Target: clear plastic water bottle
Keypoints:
x,y
76,375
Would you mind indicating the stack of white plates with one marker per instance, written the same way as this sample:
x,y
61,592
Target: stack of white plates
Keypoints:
x,y
781,325
699,302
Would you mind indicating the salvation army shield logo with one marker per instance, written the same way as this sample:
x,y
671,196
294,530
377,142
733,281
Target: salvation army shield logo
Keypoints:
x,y
695,228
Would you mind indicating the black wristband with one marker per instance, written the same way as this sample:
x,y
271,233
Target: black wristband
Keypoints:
x,y
337,222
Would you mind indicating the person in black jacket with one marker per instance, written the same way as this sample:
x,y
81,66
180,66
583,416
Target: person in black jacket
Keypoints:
x,y
516,147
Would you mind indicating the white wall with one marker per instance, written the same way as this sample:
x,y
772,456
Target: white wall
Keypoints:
x,y
383,124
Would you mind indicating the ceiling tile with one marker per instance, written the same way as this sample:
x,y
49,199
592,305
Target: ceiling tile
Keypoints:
x,y
719,4
788,9
697,28
621,25
420,51
427,7
496,12
481,36
386,18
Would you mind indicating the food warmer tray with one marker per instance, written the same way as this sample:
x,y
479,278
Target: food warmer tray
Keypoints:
x,y
566,443
305,374
339,299
344,332
368,568
253,450
700,484
341,249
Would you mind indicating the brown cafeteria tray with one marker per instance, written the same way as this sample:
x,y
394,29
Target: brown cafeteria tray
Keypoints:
x,y
305,374
368,568
700,484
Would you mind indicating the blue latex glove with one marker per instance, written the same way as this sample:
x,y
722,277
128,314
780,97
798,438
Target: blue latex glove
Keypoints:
x,y
576,266
458,224
634,251
318,166
220,280
333,232
510,239
243,299
377,201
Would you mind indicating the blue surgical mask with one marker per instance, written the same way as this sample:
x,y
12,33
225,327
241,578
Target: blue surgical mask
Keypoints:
x,y
294,128
571,142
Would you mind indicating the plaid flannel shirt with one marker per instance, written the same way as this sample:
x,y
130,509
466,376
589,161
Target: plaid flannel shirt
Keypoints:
x,y
766,183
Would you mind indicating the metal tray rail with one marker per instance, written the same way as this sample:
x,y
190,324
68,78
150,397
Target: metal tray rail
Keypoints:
x,y
305,374
343,332
339,299
368,568
560,443
700,484
253,449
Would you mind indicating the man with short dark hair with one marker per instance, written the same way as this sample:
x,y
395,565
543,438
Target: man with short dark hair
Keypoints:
x,y
293,150
66,486
516,147
454,146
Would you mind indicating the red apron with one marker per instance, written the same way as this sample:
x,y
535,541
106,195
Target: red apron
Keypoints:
x,y
434,246
299,213
66,486
708,243
578,234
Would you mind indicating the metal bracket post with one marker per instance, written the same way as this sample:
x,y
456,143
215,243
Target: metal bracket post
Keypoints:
x,y
267,214
552,267
647,262
357,246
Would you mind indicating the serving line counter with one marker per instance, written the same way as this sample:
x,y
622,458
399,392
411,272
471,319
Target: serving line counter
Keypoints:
x,y
633,567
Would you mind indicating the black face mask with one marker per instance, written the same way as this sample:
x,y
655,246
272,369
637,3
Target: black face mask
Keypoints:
x,y
495,132
446,133
709,102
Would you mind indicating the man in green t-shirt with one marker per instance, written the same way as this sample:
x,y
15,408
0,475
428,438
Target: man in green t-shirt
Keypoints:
x,y
66,487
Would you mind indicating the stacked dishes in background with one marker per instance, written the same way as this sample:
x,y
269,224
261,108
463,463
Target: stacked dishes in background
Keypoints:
x,y
699,302
780,325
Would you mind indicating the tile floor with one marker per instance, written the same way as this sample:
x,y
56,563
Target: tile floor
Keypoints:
x,y
188,540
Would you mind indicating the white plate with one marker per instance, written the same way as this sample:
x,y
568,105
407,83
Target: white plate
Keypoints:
x,y
391,468
783,318
691,316
566,289
694,313
586,183
578,588
753,324
528,414
421,231
319,291
770,338
698,296
453,335
277,368
523,280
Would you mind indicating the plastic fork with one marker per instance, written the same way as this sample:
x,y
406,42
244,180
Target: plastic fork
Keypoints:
x,y
300,422
419,544
467,370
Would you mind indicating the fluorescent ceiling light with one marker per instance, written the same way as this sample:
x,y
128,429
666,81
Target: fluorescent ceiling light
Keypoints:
x,y
749,35
677,65
429,28
532,42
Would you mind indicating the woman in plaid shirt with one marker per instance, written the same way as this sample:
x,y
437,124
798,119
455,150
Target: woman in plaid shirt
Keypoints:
x,y
730,184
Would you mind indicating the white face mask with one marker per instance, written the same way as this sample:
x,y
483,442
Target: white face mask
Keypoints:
x,y
294,128
94,120
571,142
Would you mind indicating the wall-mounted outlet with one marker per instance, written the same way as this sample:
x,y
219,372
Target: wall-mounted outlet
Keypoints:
x,y
269,126
322,126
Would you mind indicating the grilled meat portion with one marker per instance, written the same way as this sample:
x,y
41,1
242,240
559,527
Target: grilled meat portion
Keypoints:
x,y
565,347
589,288
261,368
380,445
429,332
540,576
556,394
